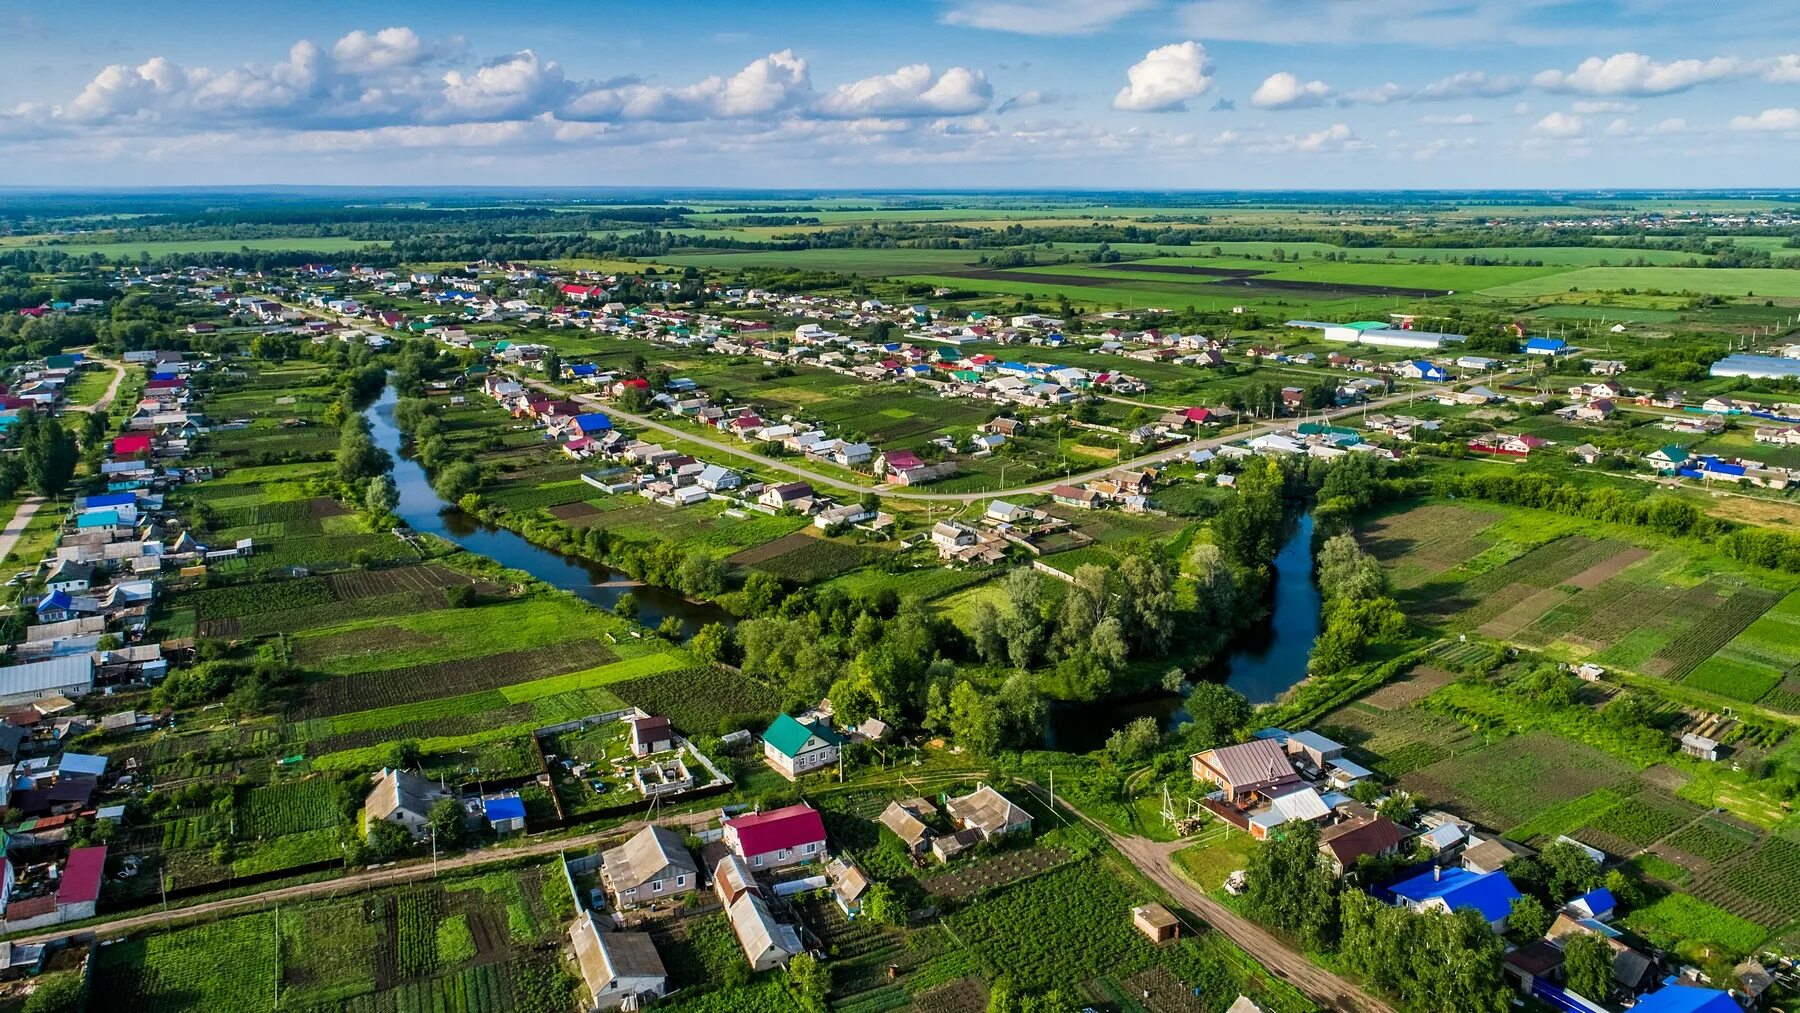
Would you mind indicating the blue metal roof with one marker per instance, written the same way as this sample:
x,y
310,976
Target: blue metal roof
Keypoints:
x,y
1548,344
507,807
108,500
1491,893
1597,900
592,422
1686,999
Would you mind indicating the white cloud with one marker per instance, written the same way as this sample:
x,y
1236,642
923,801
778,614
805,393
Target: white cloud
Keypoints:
x,y
1283,90
520,85
383,50
1591,108
1769,120
911,91
1045,17
1458,120
119,91
1620,127
1521,108
1467,85
1028,100
1165,79
1637,74
1783,70
1671,125
1560,125
1426,23
1379,95
1337,137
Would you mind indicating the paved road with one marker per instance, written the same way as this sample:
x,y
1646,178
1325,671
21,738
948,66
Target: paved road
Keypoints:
x,y
1154,859
360,881
1039,488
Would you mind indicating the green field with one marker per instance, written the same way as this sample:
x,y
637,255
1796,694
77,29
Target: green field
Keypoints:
x,y
166,248
1735,281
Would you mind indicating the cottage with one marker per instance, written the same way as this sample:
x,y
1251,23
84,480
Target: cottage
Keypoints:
x,y
651,865
651,735
988,812
1260,765
505,813
1699,747
907,821
402,799
619,968
798,495
1491,895
794,747
766,942
791,835
1344,844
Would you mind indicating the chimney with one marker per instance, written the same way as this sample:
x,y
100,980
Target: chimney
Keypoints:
x,y
1437,874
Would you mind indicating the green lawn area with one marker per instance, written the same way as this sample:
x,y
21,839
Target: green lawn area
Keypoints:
x,y
1736,281
89,386
1209,863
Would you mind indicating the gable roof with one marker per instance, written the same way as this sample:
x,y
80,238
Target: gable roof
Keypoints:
x,y
787,827
1490,893
645,856
1353,839
790,736
905,824
987,810
1251,762
1673,998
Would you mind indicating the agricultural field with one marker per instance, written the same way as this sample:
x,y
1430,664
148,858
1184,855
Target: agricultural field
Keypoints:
x,y
1758,282
803,557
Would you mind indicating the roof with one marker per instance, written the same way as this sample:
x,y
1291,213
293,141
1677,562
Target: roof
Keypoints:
x,y
1350,840
986,810
758,932
645,856
1444,835
650,729
397,790
904,823
40,676
1252,762
1313,740
1686,999
1597,900
607,956
790,736
733,877
1489,854
787,827
1300,805
902,460
81,876
82,764
1490,893
505,807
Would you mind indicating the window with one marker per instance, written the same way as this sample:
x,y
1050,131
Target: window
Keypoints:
x,y
656,887
680,880
809,848
757,861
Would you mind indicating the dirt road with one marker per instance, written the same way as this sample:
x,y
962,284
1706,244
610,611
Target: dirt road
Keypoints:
x,y
16,527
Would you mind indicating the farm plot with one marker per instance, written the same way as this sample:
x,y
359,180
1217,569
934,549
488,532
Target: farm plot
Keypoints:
x,y
417,683
1078,929
1486,596
979,877
185,970
1755,662
1637,822
1416,685
378,583
701,701
802,558
1727,613
1510,782
277,810
1398,741
1426,540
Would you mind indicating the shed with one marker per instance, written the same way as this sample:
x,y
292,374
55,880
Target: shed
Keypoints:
x,y
505,813
1156,922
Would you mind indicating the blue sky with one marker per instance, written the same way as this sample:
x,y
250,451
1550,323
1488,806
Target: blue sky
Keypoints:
x,y
928,93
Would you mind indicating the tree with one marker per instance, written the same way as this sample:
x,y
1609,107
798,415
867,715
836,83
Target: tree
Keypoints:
x,y
1398,807
358,457
457,480
385,840
446,821
1346,571
59,992
382,496
50,454
1528,918
1588,963
1135,741
810,980
1289,887
1569,871
626,606
403,755
1216,712
552,363
712,644
883,906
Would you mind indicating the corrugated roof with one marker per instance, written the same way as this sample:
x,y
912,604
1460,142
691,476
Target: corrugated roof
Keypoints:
x,y
645,856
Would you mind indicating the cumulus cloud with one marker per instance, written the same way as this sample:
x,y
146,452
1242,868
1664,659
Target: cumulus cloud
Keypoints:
x,y
1457,120
1283,90
1165,79
520,85
1593,108
387,49
911,91
1044,17
1560,125
1637,74
1769,120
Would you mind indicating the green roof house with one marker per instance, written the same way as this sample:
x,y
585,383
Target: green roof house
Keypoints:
x,y
1668,458
796,747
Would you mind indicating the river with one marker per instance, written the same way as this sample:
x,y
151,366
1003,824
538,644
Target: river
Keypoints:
x,y
422,509
1264,662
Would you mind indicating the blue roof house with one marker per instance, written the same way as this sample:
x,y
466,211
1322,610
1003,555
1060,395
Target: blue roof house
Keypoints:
x,y
1597,904
505,813
1452,889
1545,346
1672,998
98,519
594,422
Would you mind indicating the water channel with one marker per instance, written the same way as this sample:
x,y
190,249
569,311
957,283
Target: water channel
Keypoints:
x,y
422,509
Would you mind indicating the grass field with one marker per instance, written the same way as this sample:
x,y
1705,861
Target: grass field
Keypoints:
x,y
1715,281
157,249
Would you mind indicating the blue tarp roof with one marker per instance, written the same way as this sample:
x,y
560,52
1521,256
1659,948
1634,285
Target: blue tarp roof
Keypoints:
x,y
1492,893
584,369
509,807
1686,999
1545,343
54,600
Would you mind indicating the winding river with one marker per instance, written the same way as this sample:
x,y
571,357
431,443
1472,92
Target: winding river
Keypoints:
x,y
422,509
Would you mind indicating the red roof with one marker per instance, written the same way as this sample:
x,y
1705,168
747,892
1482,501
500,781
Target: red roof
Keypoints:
x,y
174,384
788,827
903,460
640,384
1197,414
81,877
130,446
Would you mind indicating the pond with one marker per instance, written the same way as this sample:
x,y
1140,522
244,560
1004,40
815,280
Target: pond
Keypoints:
x,y
424,511
1264,662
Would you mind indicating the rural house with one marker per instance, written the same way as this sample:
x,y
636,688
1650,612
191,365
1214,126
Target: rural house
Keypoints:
x,y
1342,845
988,812
651,735
766,942
619,968
653,864
907,821
1452,889
790,835
794,747
402,799
1260,765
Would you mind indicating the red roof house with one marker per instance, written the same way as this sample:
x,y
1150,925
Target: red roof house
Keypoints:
x,y
81,876
131,446
785,836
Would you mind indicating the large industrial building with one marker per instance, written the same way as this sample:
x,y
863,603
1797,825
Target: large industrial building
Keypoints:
x,y
1759,367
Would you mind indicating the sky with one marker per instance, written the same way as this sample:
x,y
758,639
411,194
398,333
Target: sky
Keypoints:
x,y
968,94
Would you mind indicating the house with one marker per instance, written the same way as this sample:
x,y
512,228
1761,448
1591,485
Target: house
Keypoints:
x,y
1487,856
1587,453
907,821
1343,844
651,735
1317,749
988,812
791,494
1699,746
1156,922
794,747
1304,805
949,846
1069,495
1491,894
714,478
69,576
790,835
766,942
651,865
1545,346
1666,459
849,884
70,676
505,813
1597,904
732,879
1419,369
402,799
619,968
1260,765
1673,998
